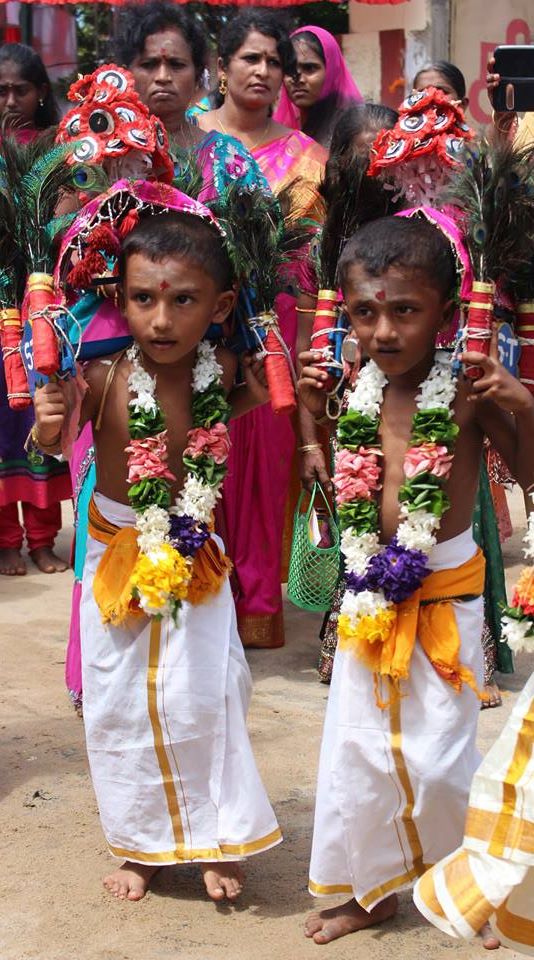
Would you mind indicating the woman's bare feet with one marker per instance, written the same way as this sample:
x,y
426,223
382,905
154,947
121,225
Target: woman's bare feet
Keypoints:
x,y
223,879
489,940
11,563
493,695
348,918
48,561
130,881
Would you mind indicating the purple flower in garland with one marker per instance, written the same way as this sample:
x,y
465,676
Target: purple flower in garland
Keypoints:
x,y
187,534
397,571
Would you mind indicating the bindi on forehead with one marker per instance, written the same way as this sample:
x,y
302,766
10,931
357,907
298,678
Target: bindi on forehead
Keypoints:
x,y
164,285
380,294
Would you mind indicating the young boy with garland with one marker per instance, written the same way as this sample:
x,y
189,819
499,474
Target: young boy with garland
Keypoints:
x,y
398,752
165,679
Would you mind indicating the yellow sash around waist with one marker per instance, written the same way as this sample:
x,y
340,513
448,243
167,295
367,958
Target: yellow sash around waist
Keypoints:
x,y
111,586
428,615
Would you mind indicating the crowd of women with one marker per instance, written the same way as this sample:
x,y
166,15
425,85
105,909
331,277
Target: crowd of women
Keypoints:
x,y
284,110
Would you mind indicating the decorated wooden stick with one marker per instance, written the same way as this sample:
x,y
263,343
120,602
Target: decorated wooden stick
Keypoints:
x,y
525,335
45,342
479,323
278,370
324,326
18,393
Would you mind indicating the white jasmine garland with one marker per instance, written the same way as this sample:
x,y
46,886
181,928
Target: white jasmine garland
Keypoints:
x,y
417,530
438,390
367,603
197,499
152,527
358,549
516,634
368,393
207,369
529,535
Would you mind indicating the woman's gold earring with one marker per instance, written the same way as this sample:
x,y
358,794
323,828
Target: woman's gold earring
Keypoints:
x,y
223,85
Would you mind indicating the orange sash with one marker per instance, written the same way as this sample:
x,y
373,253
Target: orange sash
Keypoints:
x,y
111,584
428,615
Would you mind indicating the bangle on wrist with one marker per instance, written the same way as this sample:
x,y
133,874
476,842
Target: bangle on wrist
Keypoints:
x,y
39,443
309,446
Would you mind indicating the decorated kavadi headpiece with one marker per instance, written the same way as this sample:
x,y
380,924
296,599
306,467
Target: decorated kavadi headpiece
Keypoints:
x,y
109,120
418,156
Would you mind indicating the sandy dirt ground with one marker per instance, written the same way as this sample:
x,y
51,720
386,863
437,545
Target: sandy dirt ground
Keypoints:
x,y
52,904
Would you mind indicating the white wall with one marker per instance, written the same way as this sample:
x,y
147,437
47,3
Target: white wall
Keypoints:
x,y
411,15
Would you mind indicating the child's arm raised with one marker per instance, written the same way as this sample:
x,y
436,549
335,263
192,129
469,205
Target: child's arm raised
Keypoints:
x,y
504,412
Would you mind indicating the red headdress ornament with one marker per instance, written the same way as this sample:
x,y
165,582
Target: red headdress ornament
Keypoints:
x,y
110,120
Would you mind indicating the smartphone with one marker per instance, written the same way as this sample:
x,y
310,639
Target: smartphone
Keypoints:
x,y
515,64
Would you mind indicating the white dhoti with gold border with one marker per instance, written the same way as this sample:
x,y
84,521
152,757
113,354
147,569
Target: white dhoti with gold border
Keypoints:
x,y
491,876
393,783
165,710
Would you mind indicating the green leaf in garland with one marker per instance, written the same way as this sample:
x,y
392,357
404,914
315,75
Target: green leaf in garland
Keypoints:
x,y
357,430
517,613
362,515
210,407
206,469
434,426
149,492
145,423
425,492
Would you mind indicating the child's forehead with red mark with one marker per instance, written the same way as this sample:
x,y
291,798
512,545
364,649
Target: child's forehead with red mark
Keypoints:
x,y
164,285
380,294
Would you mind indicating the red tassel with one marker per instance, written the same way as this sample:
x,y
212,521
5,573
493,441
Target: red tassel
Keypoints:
x,y
104,238
18,393
128,223
278,374
525,335
326,313
45,341
479,323
84,272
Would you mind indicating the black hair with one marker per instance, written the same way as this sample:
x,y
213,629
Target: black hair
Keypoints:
x,y
357,119
410,242
180,235
137,22
33,70
236,30
344,163
451,73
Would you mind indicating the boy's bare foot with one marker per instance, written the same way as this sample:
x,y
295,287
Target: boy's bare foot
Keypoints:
x,y
224,879
130,881
48,561
11,563
493,695
489,940
348,918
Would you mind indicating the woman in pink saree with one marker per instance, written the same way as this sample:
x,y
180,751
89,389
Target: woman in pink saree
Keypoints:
x,y
254,55
313,98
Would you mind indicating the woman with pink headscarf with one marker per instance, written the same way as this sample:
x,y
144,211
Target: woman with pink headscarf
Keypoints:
x,y
321,88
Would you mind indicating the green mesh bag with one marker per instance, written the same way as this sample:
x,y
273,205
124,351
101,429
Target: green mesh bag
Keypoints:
x,y
313,570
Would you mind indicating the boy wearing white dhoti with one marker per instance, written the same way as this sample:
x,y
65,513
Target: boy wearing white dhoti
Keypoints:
x,y
398,751
166,684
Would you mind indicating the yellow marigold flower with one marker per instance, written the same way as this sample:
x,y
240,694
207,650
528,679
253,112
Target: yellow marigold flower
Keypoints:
x,y
364,637
161,575
524,588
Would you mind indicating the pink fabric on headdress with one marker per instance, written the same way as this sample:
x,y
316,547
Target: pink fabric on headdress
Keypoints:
x,y
448,226
338,80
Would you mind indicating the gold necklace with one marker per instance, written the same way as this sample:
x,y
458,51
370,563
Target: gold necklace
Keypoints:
x,y
250,146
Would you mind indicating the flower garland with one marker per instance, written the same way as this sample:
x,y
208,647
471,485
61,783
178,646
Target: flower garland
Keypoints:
x,y
377,578
518,620
168,535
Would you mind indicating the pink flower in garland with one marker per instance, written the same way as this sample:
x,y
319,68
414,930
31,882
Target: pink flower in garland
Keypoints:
x,y
214,442
428,458
357,474
148,459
